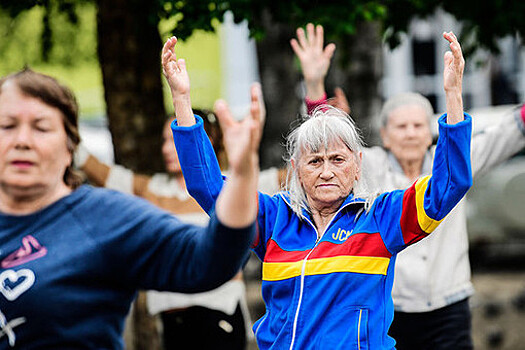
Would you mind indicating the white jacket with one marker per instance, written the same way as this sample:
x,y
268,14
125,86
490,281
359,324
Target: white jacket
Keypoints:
x,y
436,272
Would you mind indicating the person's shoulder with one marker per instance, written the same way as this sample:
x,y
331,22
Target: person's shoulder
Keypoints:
x,y
376,151
106,200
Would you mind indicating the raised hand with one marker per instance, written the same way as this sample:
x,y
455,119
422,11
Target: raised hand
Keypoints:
x,y
237,202
241,138
314,58
454,64
177,76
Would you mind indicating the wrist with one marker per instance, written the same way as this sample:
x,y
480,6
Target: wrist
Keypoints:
x,y
315,90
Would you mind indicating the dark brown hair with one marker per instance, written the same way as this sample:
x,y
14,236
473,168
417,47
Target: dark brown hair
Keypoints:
x,y
52,93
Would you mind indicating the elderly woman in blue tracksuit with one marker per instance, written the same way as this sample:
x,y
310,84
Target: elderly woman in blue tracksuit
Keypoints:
x,y
328,248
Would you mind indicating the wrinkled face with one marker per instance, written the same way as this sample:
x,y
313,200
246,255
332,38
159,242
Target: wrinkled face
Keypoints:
x,y
407,133
328,176
33,142
171,159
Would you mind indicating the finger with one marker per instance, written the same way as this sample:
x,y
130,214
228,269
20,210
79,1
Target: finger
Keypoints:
x,y
329,50
255,105
257,98
296,48
222,111
301,38
181,65
310,30
168,54
448,58
319,36
455,47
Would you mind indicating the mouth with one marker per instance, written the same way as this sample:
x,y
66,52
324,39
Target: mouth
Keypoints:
x,y
326,185
22,164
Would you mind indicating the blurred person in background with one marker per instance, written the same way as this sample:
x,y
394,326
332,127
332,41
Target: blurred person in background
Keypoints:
x,y
432,279
221,314
73,256
328,254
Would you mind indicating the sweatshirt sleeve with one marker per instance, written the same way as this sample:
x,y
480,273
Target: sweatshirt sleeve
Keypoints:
x,y
198,162
406,216
498,142
145,247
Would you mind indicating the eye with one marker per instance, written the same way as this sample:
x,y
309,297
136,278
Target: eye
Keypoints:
x,y
7,126
314,161
42,128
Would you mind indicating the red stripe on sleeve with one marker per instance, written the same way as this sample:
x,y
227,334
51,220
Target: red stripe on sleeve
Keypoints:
x,y
410,228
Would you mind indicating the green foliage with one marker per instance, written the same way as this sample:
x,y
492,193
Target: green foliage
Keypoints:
x,y
483,21
56,31
338,17
72,58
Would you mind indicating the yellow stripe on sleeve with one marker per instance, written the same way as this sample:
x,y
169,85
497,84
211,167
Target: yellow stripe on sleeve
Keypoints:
x,y
426,223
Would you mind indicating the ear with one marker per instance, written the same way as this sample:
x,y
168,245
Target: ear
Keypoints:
x,y
359,161
295,169
384,137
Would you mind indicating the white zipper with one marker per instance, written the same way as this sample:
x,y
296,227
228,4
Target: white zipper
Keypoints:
x,y
359,330
294,327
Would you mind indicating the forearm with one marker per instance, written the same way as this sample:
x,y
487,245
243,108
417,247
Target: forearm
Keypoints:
x,y
220,254
496,143
183,111
237,203
315,89
96,172
454,103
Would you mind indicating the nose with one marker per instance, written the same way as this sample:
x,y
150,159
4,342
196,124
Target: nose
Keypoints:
x,y
326,171
24,137
411,131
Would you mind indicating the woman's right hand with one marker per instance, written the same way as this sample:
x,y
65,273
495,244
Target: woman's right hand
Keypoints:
x,y
315,60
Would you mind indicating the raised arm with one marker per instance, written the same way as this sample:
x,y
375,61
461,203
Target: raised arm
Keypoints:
x,y
418,210
314,58
315,62
237,203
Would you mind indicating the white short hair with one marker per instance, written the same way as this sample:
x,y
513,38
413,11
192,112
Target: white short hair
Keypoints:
x,y
325,125
405,99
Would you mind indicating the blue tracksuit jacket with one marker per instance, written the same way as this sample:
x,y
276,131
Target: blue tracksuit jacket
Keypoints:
x,y
335,292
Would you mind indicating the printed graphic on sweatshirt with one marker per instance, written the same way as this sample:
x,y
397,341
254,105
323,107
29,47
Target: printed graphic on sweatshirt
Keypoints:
x,y
14,283
30,250
7,328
